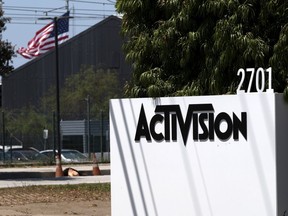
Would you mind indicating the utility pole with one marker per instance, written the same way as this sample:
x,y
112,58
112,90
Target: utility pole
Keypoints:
x,y
88,125
67,5
3,136
1,3
3,115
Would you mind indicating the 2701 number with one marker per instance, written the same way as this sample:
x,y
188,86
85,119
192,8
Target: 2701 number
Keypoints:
x,y
260,79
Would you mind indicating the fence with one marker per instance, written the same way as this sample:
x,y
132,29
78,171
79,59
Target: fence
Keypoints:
x,y
32,129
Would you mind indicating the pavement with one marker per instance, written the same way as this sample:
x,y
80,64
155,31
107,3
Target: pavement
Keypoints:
x,y
27,176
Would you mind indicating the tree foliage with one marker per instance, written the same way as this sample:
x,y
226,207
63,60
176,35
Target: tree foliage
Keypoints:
x,y
27,120
101,85
6,49
195,47
26,123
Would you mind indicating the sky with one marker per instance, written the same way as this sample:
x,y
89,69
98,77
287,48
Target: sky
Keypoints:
x,y
25,16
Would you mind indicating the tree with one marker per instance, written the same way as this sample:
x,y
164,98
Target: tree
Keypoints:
x,y
195,47
27,122
101,85
6,49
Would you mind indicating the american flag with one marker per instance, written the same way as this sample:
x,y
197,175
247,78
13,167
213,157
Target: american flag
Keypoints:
x,y
44,39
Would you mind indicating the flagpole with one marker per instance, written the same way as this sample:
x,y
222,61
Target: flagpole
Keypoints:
x,y
57,88
58,134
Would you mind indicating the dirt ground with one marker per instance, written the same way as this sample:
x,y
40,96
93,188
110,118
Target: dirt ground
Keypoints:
x,y
51,200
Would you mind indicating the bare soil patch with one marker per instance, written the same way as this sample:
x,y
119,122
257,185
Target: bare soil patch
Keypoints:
x,y
86,199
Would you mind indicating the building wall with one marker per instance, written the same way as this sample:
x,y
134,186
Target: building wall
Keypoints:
x,y
99,46
75,135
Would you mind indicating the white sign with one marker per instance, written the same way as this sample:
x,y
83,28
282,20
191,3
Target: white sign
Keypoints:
x,y
45,134
199,156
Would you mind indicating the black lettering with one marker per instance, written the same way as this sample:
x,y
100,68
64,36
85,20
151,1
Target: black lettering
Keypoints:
x,y
142,129
166,109
185,126
195,127
174,127
153,122
219,119
240,126
202,118
211,126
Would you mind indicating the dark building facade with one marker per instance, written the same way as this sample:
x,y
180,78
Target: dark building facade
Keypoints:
x,y
99,46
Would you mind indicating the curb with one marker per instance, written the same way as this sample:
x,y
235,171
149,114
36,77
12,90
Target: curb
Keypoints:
x,y
28,173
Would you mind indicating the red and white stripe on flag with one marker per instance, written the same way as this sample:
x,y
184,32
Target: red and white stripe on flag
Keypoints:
x,y
44,39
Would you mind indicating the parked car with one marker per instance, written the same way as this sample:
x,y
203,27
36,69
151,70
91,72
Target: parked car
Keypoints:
x,y
7,156
67,155
25,155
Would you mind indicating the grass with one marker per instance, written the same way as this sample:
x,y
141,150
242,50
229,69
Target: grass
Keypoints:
x,y
99,187
54,193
